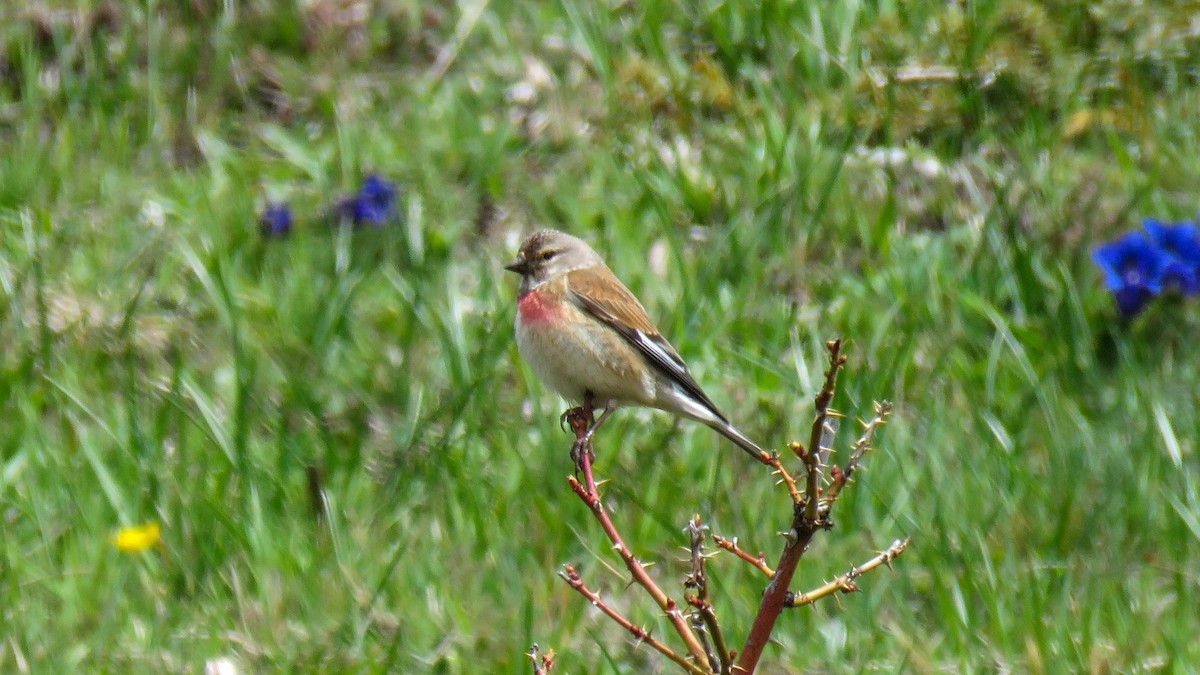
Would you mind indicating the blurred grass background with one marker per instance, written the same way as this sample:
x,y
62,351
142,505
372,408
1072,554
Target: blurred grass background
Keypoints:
x,y
923,178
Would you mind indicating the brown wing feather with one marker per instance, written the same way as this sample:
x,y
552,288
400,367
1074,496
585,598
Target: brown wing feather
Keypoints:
x,y
601,289
599,292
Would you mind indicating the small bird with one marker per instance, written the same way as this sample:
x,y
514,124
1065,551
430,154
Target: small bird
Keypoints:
x,y
589,339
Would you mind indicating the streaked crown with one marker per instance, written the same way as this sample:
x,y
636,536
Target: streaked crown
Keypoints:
x,y
546,254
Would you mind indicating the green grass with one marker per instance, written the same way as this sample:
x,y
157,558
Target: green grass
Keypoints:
x,y
164,363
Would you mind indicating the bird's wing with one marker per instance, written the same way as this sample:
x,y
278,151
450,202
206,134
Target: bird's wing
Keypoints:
x,y
602,295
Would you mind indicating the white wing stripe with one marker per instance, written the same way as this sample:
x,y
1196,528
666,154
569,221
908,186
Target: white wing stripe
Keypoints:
x,y
661,355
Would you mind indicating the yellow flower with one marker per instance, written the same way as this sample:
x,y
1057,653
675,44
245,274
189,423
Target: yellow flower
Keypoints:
x,y
136,538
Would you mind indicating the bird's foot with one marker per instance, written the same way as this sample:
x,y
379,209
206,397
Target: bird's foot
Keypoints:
x,y
581,450
578,418
567,417
582,425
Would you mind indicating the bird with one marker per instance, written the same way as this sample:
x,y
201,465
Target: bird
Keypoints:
x,y
588,338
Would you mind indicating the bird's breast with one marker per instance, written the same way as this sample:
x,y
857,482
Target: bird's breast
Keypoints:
x,y
573,352
535,307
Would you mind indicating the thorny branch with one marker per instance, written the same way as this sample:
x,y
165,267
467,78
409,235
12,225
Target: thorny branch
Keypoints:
x,y
861,447
793,491
731,545
590,495
812,458
640,634
845,583
707,650
806,521
719,658
542,663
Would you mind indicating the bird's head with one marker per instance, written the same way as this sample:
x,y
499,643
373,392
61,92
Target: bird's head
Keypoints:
x,y
547,254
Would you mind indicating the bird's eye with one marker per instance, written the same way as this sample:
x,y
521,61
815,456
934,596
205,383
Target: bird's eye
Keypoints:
x,y
546,255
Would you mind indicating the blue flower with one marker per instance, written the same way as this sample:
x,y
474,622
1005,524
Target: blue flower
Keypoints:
x,y
1179,246
372,204
276,220
1132,268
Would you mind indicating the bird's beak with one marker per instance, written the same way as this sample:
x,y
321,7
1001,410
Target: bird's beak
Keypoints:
x,y
519,265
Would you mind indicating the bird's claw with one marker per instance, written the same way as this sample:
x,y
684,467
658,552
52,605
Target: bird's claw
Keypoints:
x,y
581,423
576,417
581,449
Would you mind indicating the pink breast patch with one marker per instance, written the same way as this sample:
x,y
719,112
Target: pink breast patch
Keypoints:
x,y
535,307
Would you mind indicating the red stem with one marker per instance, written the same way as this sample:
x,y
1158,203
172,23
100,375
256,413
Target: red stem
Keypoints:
x,y
591,496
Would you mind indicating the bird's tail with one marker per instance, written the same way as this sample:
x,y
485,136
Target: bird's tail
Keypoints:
x,y
729,431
